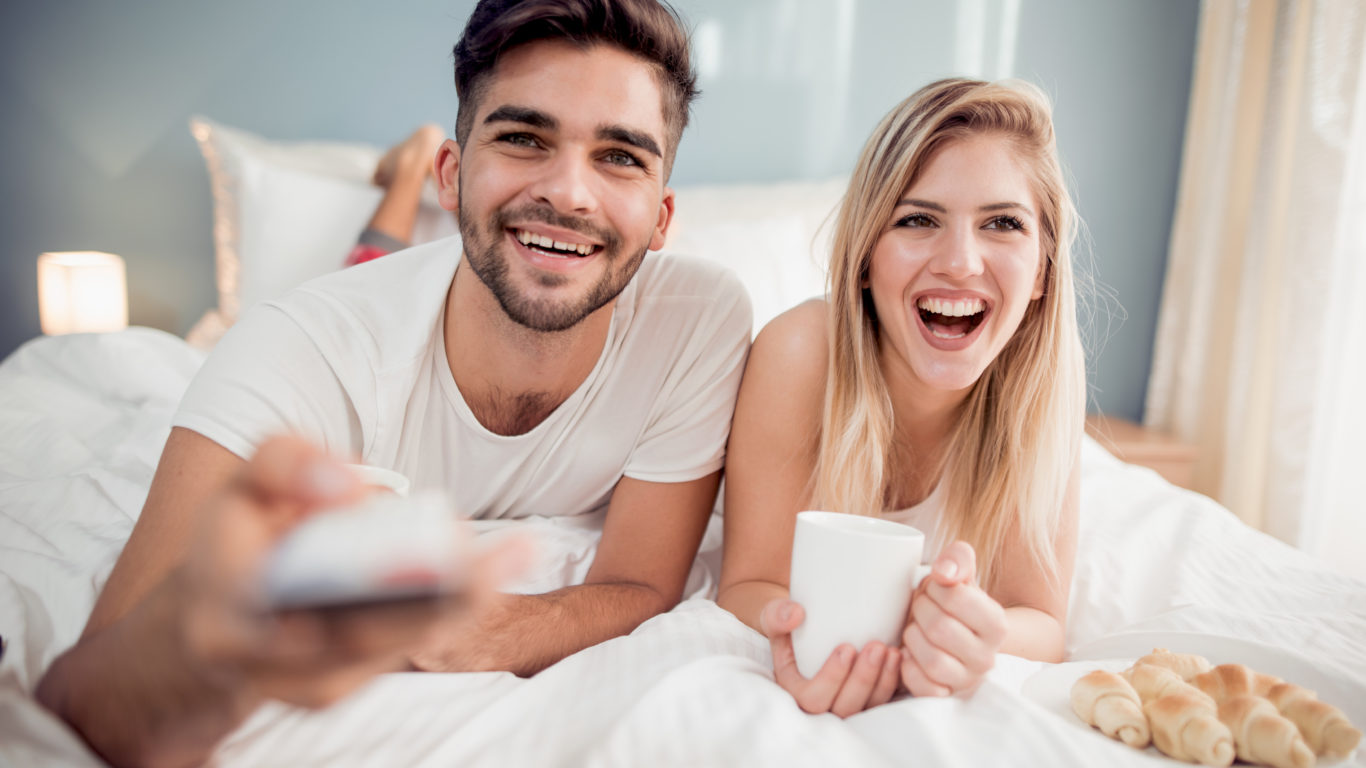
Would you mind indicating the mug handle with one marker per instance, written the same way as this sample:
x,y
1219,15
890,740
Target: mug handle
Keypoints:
x,y
921,571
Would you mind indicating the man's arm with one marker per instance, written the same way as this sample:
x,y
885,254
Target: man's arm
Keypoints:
x,y
648,544
191,470
185,652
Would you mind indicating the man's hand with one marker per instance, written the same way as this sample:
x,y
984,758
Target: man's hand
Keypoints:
x,y
309,658
954,629
165,682
849,682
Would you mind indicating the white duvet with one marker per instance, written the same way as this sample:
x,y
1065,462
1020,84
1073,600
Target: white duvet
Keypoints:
x,y
82,421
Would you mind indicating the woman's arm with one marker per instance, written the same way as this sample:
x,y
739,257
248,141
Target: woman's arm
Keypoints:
x,y
769,462
770,458
1036,605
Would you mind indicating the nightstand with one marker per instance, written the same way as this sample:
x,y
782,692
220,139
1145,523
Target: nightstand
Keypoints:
x,y
1171,457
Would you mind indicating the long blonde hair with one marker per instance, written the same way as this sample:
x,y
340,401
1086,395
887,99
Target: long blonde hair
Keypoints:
x,y
1009,457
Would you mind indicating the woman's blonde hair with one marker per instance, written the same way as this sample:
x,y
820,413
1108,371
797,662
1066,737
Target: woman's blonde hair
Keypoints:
x,y
1009,457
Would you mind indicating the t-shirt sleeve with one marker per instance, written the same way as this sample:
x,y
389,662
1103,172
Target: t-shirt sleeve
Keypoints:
x,y
686,437
267,377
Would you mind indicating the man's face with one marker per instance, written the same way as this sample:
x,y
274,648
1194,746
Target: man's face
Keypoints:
x,y
560,184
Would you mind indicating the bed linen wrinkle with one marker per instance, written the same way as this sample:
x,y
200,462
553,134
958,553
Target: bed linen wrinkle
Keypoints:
x,y
692,686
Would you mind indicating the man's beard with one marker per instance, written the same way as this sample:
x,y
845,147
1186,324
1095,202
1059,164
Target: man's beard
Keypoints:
x,y
546,315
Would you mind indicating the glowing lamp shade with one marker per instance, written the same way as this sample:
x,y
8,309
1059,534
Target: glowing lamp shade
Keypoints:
x,y
82,292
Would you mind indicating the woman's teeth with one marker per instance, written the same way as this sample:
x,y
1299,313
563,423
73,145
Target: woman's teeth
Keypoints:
x,y
951,318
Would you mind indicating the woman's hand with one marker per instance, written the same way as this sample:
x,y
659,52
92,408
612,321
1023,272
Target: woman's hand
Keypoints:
x,y
849,682
954,629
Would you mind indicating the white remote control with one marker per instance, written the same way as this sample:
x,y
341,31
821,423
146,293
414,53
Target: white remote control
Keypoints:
x,y
383,549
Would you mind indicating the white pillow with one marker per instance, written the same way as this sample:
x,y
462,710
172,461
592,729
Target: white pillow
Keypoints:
x,y
775,236
286,212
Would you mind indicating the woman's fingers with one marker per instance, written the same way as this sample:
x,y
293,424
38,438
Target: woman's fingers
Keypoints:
x,y
854,696
938,666
945,631
957,564
915,679
818,694
888,679
971,607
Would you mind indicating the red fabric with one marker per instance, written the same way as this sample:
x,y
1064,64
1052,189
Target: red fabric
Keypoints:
x,y
363,253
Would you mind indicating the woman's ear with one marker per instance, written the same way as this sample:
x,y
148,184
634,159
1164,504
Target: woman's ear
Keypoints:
x,y
446,171
1041,277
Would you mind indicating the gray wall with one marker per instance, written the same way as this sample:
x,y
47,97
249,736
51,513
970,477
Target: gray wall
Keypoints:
x,y
98,156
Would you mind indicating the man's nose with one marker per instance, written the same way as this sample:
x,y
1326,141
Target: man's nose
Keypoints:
x,y
566,183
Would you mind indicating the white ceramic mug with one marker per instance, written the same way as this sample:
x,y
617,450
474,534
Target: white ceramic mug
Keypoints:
x,y
854,577
379,477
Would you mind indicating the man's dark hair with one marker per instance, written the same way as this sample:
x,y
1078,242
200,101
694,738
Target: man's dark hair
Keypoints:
x,y
650,29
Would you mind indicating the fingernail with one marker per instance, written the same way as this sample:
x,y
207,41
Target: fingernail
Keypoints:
x,y
875,655
785,612
947,568
327,479
846,654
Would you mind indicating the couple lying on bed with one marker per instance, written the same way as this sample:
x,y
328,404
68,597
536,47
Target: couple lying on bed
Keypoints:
x,y
554,367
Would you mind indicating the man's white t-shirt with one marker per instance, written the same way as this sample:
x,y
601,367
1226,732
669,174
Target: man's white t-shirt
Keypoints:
x,y
356,362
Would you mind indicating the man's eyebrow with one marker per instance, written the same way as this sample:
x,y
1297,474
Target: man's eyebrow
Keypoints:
x,y
509,113
638,139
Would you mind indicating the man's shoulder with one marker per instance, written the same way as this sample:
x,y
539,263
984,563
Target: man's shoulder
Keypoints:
x,y
373,303
690,281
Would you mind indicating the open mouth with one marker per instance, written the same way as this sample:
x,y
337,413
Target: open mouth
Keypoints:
x,y
554,248
951,318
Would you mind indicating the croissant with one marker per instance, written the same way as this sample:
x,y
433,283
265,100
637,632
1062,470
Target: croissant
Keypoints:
x,y
1107,701
1154,682
1261,735
1228,681
1325,729
1184,726
1187,665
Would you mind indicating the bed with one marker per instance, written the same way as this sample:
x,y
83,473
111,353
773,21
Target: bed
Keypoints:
x,y
83,419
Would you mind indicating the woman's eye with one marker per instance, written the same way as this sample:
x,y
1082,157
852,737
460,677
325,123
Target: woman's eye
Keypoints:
x,y
620,157
916,220
1005,222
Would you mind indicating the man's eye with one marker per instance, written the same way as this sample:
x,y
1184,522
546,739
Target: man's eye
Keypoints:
x,y
1005,222
518,139
620,157
915,220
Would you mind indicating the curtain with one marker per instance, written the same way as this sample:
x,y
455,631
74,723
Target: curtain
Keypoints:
x,y
1260,356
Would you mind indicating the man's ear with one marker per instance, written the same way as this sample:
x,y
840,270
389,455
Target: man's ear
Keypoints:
x,y
666,217
446,169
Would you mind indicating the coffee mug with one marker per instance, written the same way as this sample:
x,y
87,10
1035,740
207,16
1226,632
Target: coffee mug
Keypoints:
x,y
854,577
380,478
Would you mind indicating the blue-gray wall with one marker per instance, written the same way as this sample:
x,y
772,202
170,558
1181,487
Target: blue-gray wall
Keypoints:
x,y
97,155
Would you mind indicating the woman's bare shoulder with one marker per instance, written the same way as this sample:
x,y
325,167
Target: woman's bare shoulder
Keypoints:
x,y
789,355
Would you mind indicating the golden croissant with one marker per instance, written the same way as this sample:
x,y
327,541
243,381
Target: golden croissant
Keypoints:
x,y
1186,727
1187,665
1107,701
1261,735
1324,727
1228,681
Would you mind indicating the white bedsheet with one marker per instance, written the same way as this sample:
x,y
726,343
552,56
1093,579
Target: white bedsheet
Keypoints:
x,y
82,421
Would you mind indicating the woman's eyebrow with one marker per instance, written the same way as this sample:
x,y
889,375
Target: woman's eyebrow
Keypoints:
x,y
984,209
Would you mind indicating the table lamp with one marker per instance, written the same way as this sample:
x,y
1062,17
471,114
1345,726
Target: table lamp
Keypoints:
x,y
82,292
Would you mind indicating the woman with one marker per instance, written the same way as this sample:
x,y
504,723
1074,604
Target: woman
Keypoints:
x,y
941,384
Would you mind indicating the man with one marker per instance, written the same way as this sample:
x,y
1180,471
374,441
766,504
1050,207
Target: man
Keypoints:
x,y
549,366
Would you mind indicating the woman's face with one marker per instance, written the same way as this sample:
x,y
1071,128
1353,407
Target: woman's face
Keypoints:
x,y
958,265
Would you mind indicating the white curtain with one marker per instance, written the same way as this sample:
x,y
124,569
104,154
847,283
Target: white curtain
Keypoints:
x,y
1260,358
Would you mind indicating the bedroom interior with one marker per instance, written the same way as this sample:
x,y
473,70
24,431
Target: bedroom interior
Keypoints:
x,y
1216,151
